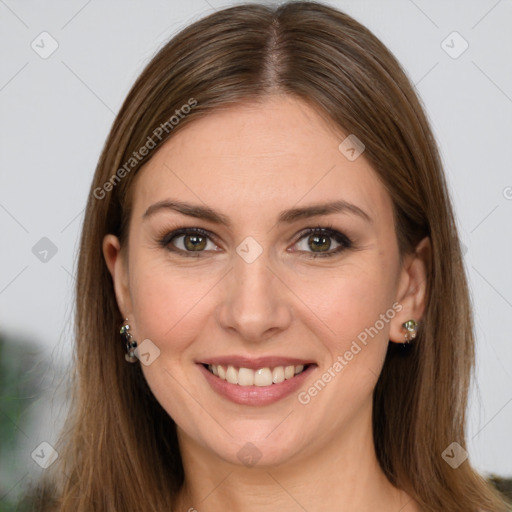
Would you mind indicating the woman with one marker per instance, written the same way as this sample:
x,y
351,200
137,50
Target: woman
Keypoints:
x,y
269,226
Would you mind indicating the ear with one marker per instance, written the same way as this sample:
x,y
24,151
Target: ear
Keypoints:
x,y
412,289
117,265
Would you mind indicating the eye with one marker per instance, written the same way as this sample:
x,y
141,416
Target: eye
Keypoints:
x,y
191,242
188,240
317,241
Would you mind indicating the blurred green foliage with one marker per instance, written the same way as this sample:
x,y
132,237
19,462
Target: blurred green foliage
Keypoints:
x,y
21,375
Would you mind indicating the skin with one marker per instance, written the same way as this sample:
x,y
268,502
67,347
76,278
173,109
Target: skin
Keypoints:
x,y
250,162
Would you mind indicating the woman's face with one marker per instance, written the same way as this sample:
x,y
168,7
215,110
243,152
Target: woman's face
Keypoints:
x,y
255,290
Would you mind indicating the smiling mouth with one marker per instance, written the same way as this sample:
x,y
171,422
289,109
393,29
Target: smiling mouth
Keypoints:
x,y
261,377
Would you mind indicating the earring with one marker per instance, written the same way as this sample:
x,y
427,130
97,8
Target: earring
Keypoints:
x,y
410,327
131,345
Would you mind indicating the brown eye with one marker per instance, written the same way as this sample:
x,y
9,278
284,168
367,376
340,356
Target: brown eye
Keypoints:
x,y
194,242
318,241
190,240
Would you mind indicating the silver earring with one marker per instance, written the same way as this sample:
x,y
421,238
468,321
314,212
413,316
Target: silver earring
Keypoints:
x,y
411,328
131,344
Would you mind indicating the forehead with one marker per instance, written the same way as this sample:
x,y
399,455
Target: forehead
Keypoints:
x,y
259,157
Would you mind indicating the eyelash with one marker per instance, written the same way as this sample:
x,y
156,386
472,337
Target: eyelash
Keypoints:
x,y
327,230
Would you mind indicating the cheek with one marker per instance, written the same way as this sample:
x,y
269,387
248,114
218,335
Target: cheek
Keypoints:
x,y
356,307
169,307
169,302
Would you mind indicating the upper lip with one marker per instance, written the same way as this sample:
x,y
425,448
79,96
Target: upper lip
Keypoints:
x,y
257,362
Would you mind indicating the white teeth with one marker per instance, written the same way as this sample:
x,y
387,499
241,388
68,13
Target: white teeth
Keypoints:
x,y
289,372
246,377
278,375
263,377
232,375
260,377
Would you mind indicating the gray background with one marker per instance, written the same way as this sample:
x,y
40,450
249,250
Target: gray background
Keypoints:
x,y
56,113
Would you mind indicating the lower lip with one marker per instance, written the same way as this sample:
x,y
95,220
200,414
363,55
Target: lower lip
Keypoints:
x,y
256,395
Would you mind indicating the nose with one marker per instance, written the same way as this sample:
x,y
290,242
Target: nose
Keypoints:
x,y
255,301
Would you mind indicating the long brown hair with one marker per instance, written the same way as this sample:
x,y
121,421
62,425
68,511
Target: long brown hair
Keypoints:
x,y
119,449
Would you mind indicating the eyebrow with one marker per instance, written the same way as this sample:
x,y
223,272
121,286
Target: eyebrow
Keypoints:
x,y
285,217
